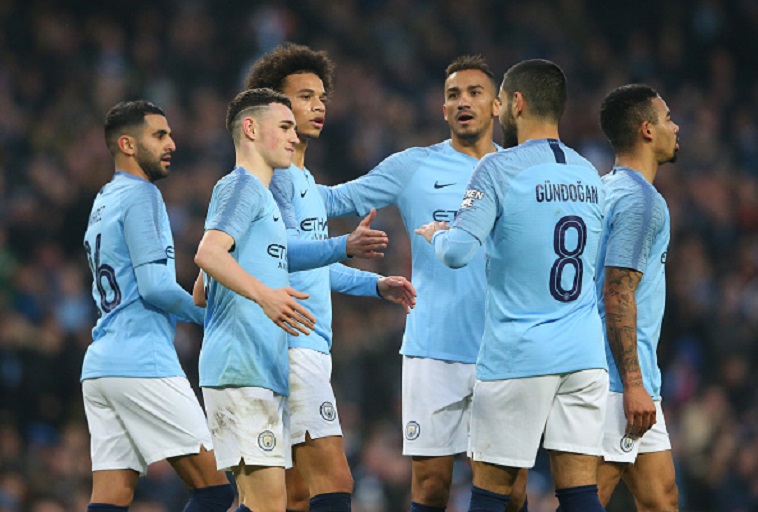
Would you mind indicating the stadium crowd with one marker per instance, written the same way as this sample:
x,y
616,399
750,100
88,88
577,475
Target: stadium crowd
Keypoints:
x,y
62,65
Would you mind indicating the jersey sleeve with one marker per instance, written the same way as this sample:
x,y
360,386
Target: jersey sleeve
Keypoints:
x,y
377,189
636,219
351,281
238,202
142,226
481,203
455,247
283,190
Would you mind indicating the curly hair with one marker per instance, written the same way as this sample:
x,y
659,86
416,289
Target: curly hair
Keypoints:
x,y
288,59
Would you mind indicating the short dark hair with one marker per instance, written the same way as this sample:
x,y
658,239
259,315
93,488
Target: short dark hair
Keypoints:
x,y
289,59
623,111
543,85
466,62
124,117
250,99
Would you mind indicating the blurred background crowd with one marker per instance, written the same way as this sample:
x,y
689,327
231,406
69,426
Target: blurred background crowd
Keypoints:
x,y
63,64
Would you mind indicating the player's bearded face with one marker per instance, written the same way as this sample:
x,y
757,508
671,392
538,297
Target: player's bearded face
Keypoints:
x,y
508,123
151,162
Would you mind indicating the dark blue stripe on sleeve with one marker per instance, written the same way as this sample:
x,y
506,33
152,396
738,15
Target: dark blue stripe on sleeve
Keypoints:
x,y
555,145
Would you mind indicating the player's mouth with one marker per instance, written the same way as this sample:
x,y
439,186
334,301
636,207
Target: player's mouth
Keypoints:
x,y
465,118
317,122
166,159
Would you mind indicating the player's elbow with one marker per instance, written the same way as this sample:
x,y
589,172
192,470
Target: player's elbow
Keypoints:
x,y
454,260
203,256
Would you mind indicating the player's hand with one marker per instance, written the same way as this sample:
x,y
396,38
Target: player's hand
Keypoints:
x,y
282,308
399,290
428,230
639,410
365,242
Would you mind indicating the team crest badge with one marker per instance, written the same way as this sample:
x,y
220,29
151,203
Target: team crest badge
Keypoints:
x,y
627,443
267,440
412,430
327,411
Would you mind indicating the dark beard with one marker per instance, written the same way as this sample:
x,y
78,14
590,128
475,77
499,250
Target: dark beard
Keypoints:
x,y
510,136
152,168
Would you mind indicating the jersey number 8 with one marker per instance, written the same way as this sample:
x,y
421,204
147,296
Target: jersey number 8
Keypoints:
x,y
568,257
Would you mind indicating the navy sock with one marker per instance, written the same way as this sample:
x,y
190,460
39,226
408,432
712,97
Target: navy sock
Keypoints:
x,y
214,498
105,507
418,507
579,499
242,508
487,501
331,502
525,506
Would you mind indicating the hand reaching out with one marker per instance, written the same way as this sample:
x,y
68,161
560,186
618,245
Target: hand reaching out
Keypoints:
x,y
399,290
365,242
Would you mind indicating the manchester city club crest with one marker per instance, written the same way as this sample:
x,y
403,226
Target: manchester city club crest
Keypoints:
x,y
267,440
328,412
627,443
412,430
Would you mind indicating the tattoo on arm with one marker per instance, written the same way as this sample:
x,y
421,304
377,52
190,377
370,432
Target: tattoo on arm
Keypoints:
x,y
621,321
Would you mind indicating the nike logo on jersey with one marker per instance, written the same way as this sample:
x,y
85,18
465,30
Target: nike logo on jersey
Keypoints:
x,y
302,193
437,184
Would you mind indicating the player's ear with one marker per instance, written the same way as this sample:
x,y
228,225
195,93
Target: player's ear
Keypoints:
x,y
646,130
444,112
518,104
127,144
496,104
250,127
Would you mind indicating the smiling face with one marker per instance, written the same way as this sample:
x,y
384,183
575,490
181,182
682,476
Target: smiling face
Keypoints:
x,y
308,97
470,104
275,135
154,147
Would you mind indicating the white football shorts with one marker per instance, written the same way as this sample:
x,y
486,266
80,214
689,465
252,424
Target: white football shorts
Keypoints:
x,y
313,408
436,406
510,416
134,422
618,447
248,425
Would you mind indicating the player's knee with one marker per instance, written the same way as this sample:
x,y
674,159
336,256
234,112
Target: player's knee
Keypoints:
x,y
433,489
298,503
665,499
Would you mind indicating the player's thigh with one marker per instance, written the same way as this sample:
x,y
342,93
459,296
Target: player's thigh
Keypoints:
x,y
115,487
508,418
652,482
494,477
577,416
573,469
111,445
298,495
431,479
312,405
248,424
608,477
262,489
323,465
436,406
198,470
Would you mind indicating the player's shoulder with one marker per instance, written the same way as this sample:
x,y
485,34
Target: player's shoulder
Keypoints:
x,y
237,181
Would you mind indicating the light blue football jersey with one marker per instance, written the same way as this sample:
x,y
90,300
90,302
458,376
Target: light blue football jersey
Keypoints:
x,y
302,207
636,235
128,227
241,345
538,208
426,184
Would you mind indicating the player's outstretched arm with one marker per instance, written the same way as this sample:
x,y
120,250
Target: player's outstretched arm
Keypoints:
x,y
278,304
365,242
621,326
399,290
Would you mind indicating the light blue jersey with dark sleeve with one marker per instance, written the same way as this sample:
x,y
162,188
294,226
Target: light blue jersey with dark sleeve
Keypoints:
x,y
426,184
538,209
304,215
241,345
636,236
128,229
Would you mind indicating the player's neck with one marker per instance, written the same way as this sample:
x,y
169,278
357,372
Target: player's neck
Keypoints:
x,y
130,166
254,163
299,157
477,148
534,129
647,166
